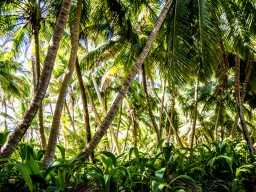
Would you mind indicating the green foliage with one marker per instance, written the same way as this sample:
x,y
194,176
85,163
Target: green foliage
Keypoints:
x,y
217,166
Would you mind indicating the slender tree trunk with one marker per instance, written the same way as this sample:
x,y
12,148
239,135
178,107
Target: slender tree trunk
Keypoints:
x,y
103,106
13,140
135,127
161,111
240,105
134,122
151,115
127,134
115,106
176,135
96,114
194,114
84,101
38,72
70,117
243,94
119,121
217,122
172,115
50,151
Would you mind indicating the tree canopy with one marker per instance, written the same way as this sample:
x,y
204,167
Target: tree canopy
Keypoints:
x,y
158,95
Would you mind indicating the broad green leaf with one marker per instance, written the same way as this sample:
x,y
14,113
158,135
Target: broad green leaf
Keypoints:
x,y
25,173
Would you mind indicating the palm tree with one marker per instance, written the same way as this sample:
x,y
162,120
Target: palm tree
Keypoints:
x,y
8,148
50,151
115,106
31,15
240,106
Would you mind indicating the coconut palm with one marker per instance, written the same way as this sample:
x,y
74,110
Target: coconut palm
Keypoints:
x,y
8,148
50,151
30,18
115,106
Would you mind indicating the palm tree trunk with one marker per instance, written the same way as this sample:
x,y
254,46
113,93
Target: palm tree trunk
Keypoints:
x,y
38,72
240,105
217,122
194,114
151,115
96,114
127,134
134,122
84,101
243,94
70,117
161,111
135,127
115,106
119,121
8,148
103,106
50,151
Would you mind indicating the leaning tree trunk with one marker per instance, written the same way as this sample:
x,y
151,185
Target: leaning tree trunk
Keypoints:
x,y
50,151
124,89
194,114
26,121
103,106
240,105
38,72
96,114
151,115
243,94
84,101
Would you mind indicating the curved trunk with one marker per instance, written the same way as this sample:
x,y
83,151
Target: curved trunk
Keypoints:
x,y
50,151
152,118
84,101
38,72
124,89
194,114
243,94
103,106
29,115
240,105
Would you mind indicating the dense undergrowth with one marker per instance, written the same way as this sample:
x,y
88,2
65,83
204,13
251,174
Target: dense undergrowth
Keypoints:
x,y
218,166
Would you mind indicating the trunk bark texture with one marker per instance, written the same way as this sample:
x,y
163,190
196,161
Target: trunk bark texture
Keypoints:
x,y
85,103
115,106
243,94
38,73
50,151
29,115
240,105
